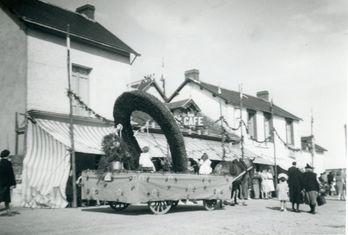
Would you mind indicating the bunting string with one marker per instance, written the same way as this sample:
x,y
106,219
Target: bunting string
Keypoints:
x,y
85,106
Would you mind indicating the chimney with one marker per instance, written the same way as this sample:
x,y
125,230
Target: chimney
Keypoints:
x,y
263,95
86,10
192,73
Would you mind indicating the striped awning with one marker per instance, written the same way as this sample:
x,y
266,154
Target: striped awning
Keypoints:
x,y
46,164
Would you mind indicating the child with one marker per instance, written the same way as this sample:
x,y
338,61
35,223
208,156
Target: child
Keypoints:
x,y
283,190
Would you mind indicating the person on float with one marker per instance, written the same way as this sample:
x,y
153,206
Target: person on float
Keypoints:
x,y
205,165
311,186
145,162
7,180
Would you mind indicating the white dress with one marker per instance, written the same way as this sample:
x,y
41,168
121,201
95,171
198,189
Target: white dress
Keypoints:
x,y
269,181
205,168
283,190
145,161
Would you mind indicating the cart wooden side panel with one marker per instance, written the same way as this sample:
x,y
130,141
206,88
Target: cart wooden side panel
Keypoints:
x,y
136,187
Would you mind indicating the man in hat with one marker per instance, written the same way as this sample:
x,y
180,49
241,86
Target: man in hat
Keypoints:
x,y
7,179
311,185
294,183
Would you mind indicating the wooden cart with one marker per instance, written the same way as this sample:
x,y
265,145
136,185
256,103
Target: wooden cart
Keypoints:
x,y
160,191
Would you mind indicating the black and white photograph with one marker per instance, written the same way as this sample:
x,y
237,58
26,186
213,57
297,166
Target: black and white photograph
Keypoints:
x,y
173,117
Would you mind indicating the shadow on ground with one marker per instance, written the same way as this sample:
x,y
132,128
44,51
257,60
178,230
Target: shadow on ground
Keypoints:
x,y
135,210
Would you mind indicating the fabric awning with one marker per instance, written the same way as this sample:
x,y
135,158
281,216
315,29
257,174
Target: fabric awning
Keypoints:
x,y
263,161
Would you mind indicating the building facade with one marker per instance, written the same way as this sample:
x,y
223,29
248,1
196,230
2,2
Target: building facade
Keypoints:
x,y
34,70
256,113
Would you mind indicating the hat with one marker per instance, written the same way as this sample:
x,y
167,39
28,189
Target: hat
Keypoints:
x,y
145,149
4,153
282,175
308,166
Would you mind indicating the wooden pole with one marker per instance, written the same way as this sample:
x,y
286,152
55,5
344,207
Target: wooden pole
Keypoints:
x,y
274,146
345,138
71,126
241,119
163,80
221,125
312,139
16,127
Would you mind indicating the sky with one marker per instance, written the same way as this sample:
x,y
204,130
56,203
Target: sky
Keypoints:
x,y
297,50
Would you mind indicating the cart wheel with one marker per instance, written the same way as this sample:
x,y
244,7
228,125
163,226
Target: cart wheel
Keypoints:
x,y
210,205
175,203
118,206
160,207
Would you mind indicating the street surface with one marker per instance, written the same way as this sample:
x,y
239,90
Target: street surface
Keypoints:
x,y
259,217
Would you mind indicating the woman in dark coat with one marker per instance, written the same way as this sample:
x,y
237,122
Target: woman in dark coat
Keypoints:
x,y
295,188
311,185
7,179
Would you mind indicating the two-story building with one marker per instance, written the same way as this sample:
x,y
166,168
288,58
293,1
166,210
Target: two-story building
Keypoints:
x,y
34,83
256,114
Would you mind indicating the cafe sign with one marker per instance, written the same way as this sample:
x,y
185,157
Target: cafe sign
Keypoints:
x,y
190,121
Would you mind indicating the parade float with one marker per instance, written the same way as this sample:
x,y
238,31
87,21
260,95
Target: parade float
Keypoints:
x,y
161,190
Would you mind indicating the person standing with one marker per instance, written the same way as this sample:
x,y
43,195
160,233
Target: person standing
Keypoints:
x,y
330,180
294,182
282,191
339,185
7,179
311,186
270,183
264,185
256,181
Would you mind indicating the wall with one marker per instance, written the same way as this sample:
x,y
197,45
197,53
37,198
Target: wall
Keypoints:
x,y
13,64
210,107
47,74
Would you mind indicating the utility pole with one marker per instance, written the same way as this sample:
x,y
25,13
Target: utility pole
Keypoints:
x,y
274,145
241,119
312,139
163,80
345,138
71,126
221,125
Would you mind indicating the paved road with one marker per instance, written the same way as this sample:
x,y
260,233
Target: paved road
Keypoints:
x,y
259,217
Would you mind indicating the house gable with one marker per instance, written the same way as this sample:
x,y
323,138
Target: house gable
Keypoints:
x,y
59,21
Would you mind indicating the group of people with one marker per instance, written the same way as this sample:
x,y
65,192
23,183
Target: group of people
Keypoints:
x,y
334,183
300,187
203,166
263,184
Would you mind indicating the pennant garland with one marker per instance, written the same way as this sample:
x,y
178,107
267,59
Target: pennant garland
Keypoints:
x,y
85,106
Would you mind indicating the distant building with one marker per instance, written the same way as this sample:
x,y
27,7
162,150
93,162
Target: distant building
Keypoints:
x,y
306,156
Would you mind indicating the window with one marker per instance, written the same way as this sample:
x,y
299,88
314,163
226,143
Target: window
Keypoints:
x,y
289,132
252,124
80,86
267,124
